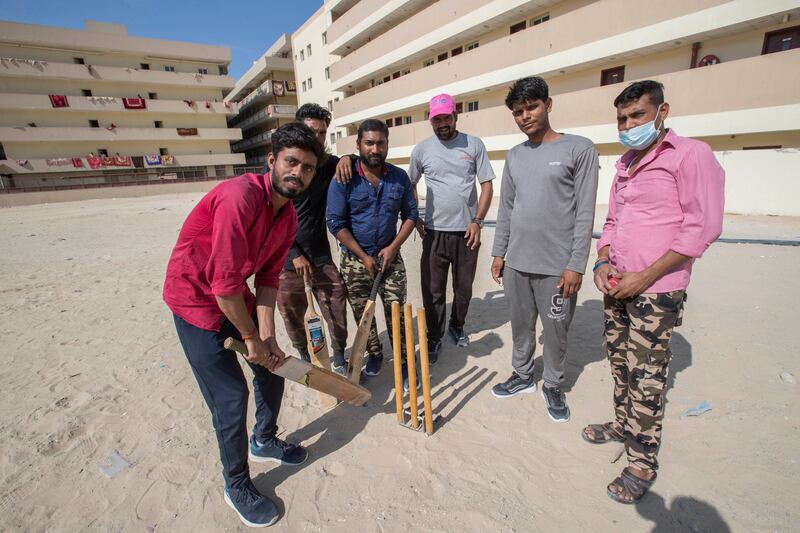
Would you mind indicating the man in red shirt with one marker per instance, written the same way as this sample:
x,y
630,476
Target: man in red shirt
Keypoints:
x,y
244,226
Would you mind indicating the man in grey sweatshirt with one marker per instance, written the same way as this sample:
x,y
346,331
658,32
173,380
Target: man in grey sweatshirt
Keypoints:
x,y
541,243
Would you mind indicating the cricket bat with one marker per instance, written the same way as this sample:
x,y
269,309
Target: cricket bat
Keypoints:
x,y
317,344
362,333
313,377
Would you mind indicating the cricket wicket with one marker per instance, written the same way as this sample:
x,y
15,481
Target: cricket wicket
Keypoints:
x,y
411,366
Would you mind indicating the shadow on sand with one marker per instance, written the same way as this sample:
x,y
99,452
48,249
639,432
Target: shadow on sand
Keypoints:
x,y
685,514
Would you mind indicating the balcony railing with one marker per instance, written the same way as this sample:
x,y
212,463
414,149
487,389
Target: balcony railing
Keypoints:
x,y
251,142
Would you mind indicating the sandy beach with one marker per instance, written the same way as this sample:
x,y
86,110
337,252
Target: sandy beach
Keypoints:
x,y
91,366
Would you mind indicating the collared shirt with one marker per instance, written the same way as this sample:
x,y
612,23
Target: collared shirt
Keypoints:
x,y
311,240
231,234
674,200
370,213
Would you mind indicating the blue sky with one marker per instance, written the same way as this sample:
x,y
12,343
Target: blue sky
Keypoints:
x,y
247,28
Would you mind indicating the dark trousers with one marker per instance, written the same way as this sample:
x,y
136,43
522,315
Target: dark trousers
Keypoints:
x,y
442,250
225,391
331,294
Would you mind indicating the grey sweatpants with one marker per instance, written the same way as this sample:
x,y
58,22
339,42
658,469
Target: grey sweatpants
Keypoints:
x,y
531,296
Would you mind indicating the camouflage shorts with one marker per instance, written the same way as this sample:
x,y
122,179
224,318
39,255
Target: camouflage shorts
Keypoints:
x,y
637,332
359,286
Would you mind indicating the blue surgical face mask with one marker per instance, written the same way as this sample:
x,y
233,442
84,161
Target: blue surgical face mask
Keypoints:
x,y
640,137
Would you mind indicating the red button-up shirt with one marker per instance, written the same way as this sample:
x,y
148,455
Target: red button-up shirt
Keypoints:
x,y
231,234
674,200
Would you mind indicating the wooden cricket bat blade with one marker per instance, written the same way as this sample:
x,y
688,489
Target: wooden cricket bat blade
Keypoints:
x,y
313,377
362,334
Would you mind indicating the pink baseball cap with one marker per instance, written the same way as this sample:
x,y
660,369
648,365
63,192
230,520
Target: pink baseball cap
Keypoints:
x,y
441,104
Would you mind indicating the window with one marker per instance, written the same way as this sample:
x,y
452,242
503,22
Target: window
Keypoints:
x,y
2,152
441,57
152,96
202,70
330,105
324,37
519,26
302,55
378,82
472,46
223,70
535,21
338,135
472,106
308,50
456,51
427,115
158,124
333,138
169,68
396,75
389,122
86,92
387,79
778,41
309,84
78,60
103,152
305,88
407,120
144,66
459,107
94,124
163,151
327,73
406,71
427,63
612,75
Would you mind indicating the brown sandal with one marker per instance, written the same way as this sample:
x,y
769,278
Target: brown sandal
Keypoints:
x,y
628,484
602,433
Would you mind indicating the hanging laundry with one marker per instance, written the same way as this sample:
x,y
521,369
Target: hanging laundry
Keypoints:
x,y
190,103
108,161
59,100
227,105
277,88
94,161
123,161
77,162
111,127
187,131
22,162
167,159
291,86
58,161
208,104
152,160
134,103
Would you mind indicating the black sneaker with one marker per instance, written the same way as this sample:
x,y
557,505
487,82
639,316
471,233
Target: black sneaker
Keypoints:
x,y
405,379
514,385
458,336
254,509
304,355
433,350
277,451
557,407
374,363
339,364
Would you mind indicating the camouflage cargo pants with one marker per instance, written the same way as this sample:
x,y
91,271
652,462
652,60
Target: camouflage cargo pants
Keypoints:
x,y
637,332
359,286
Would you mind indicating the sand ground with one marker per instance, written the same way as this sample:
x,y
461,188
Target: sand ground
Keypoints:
x,y
91,365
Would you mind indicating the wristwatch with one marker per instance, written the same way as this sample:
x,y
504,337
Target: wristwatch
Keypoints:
x,y
478,221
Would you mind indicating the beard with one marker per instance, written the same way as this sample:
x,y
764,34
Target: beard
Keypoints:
x,y
445,133
281,186
372,161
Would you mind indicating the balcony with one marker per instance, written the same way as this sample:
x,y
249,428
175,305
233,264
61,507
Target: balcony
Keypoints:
x,y
45,70
589,36
36,166
262,139
101,103
367,19
271,112
702,104
56,135
260,94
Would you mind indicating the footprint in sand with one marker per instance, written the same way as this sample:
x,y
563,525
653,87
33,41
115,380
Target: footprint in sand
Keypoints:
x,y
177,402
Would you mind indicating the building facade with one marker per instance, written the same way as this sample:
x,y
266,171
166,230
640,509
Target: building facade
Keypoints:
x,y
731,69
98,106
266,97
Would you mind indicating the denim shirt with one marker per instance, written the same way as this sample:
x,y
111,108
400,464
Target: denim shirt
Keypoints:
x,y
370,214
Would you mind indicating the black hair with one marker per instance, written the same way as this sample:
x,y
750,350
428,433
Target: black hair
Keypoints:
x,y
637,89
527,89
314,111
296,135
372,124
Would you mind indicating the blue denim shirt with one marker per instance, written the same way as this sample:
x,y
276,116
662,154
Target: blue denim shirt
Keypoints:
x,y
370,214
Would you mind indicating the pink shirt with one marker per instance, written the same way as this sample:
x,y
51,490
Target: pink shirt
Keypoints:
x,y
231,234
674,200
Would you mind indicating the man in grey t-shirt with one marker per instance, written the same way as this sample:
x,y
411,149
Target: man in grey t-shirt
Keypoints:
x,y
541,244
451,162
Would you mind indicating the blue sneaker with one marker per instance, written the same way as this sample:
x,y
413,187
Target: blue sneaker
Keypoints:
x,y
277,451
374,363
254,509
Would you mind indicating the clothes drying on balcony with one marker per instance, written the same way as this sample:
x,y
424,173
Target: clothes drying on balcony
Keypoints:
x,y
58,100
134,103
152,160
187,131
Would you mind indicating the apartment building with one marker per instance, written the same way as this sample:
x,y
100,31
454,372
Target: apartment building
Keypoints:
x,y
731,69
313,60
266,97
99,106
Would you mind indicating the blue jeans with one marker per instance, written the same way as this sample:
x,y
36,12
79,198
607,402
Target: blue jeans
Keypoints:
x,y
225,391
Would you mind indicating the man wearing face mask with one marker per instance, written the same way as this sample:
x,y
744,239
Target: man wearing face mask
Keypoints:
x,y
665,209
